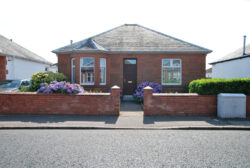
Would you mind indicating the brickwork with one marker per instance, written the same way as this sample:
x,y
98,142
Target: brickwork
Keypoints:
x,y
3,70
148,68
179,104
80,104
64,65
182,104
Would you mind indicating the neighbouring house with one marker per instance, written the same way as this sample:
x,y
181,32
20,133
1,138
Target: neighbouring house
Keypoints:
x,y
53,68
129,54
233,65
209,73
17,62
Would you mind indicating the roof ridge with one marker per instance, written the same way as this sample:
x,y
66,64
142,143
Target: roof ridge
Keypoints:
x,y
25,50
225,57
209,51
98,45
89,38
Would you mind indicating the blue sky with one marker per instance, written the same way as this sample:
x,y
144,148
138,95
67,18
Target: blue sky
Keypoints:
x,y
42,26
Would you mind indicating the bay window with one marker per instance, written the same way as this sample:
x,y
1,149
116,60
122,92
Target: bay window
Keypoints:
x,y
87,75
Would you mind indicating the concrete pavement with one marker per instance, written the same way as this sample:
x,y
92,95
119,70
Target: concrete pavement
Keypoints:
x,y
132,120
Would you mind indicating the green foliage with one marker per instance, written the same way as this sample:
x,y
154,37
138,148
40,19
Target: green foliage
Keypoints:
x,y
25,89
216,86
45,77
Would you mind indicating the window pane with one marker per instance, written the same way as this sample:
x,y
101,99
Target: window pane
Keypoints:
x,y
176,62
103,71
130,61
73,78
87,74
171,75
87,70
102,62
73,75
88,62
103,75
166,62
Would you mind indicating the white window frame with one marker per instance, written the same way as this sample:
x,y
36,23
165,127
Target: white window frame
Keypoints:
x,y
105,71
171,66
73,66
81,62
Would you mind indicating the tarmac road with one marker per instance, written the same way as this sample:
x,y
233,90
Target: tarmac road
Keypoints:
x,y
124,148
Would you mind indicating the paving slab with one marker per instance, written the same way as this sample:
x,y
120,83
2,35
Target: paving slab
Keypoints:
x,y
124,121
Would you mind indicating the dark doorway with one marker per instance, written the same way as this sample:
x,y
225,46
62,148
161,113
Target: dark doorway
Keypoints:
x,y
129,76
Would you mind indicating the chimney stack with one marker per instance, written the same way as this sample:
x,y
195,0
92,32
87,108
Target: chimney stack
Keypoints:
x,y
71,42
244,45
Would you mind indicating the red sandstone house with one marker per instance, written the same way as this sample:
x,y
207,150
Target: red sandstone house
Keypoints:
x,y
129,54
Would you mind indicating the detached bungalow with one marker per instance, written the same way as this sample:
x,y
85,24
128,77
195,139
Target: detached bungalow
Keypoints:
x,y
129,54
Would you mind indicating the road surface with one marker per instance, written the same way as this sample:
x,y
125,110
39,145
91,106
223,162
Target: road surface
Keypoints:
x,y
124,148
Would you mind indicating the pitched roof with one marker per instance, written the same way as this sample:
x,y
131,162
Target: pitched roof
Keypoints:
x,y
10,48
132,38
209,70
237,54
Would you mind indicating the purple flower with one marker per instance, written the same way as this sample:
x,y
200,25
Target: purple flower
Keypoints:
x,y
43,84
157,88
60,87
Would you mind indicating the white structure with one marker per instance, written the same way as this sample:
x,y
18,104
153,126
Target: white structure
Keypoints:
x,y
53,68
22,63
233,65
209,73
231,105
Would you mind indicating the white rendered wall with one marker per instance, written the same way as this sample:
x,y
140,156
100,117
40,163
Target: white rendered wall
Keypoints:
x,y
208,75
23,69
239,68
53,69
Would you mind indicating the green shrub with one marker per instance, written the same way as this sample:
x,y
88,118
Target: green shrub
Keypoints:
x,y
216,86
25,89
45,77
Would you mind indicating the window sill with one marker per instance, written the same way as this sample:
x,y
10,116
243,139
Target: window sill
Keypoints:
x,y
171,84
102,84
87,84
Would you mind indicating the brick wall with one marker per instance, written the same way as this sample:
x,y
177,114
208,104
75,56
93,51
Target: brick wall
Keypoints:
x,y
148,68
179,104
82,104
3,70
182,104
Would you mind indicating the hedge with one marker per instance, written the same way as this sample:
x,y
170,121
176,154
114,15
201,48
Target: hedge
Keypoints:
x,y
216,86
45,77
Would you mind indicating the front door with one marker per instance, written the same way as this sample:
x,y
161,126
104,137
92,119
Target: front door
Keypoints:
x,y
129,76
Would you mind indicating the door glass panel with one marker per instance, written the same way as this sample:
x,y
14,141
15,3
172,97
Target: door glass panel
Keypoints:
x,y
130,61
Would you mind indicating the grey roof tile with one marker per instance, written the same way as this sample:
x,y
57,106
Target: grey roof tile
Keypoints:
x,y
132,38
10,48
237,54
